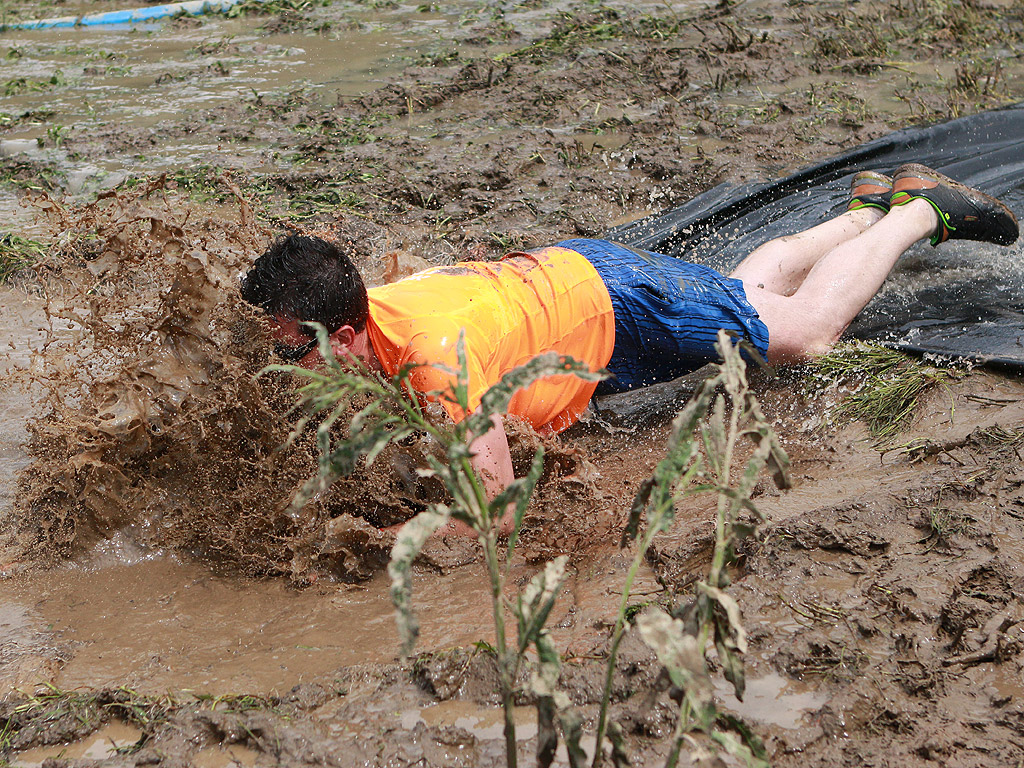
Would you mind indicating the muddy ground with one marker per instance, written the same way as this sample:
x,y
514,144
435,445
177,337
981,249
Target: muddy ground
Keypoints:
x,y
881,598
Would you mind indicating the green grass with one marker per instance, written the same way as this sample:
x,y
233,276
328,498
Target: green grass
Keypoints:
x,y
849,42
272,7
201,183
346,131
51,704
508,241
30,175
887,385
18,253
19,85
1001,436
90,709
574,31
237,702
911,29
328,198
944,523
9,119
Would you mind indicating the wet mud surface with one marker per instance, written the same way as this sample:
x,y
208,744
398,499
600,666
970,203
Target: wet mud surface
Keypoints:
x,y
153,576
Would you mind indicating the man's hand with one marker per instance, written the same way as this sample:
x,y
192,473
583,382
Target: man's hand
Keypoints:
x,y
493,463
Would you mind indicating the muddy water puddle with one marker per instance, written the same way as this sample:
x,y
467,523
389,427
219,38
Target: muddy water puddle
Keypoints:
x,y
772,700
117,738
484,724
160,624
107,742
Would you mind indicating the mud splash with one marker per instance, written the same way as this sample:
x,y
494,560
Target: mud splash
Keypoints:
x,y
153,420
156,427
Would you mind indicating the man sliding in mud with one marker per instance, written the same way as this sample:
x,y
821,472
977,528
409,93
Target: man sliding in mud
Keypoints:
x,y
646,317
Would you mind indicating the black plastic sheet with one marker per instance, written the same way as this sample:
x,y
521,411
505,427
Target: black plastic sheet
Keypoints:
x,y
962,299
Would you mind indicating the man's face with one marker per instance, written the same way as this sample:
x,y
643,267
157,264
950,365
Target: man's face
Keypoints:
x,y
294,345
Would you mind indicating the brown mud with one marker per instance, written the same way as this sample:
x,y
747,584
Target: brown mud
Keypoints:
x,y
154,576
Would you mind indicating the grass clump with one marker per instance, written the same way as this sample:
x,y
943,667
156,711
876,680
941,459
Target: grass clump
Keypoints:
x,y
345,131
943,524
202,183
51,704
18,253
30,175
849,42
997,435
237,703
887,385
327,199
271,7
19,85
570,33
573,31
963,24
49,713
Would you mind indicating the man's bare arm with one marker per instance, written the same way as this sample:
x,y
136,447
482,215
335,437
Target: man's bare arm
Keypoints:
x,y
493,463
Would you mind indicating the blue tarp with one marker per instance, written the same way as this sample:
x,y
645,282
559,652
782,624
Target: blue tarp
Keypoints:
x,y
130,16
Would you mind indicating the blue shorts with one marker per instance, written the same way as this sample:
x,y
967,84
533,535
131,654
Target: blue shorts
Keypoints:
x,y
667,313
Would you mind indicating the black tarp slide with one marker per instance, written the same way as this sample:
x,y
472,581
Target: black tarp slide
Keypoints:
x,y
962,299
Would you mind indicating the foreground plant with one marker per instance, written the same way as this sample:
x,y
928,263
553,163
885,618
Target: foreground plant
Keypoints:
x,y
713,616
699,460
701,450
390,412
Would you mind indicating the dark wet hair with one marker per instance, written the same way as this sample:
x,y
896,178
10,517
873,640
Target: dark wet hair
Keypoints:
x,y
308,278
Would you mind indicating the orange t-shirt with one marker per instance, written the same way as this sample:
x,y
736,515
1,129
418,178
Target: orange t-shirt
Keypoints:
x,y
511,311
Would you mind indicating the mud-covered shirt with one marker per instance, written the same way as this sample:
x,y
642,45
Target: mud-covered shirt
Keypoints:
x,y
510,311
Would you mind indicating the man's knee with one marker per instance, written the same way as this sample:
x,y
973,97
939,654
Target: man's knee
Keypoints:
x,y
797,332
764,263
789,350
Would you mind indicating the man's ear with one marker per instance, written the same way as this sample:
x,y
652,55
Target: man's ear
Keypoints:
x,y
341,340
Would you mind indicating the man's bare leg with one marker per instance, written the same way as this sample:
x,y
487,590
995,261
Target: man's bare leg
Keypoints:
x,y
781,265
810,319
